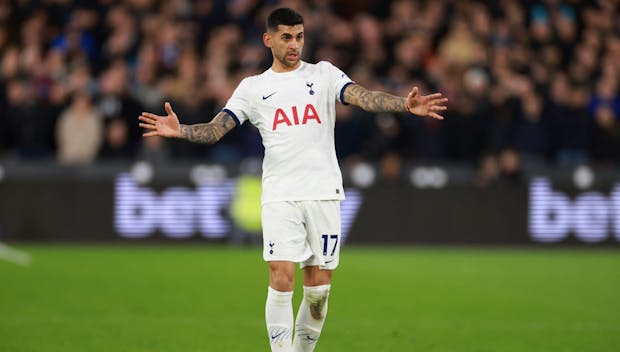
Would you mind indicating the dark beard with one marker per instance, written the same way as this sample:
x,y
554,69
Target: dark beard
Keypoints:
x,y
288,63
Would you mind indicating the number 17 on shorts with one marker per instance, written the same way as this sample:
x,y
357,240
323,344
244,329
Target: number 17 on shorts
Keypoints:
x,y
330,245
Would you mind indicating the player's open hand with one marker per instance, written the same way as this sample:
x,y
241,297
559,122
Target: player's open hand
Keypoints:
x,y
426,105
163,126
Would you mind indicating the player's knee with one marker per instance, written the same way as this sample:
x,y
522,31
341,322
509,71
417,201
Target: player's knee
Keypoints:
x,y
281,281
281,277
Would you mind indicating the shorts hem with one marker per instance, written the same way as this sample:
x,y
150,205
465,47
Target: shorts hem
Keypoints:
x,y
285,259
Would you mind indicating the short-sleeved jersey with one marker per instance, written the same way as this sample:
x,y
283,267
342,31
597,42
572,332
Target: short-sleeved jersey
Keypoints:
x,y
295,113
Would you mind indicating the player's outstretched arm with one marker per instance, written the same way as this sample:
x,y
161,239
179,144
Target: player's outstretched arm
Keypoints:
x,y
169,126
374,101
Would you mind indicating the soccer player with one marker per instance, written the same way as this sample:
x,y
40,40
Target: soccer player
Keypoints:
x,y
293,106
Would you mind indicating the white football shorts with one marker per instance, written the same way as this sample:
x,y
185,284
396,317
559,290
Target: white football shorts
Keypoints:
x,y
305,232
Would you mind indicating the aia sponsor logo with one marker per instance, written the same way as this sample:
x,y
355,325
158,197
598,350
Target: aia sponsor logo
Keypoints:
x,y
281,118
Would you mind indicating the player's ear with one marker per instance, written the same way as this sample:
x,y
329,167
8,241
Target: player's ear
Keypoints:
x,y
267,39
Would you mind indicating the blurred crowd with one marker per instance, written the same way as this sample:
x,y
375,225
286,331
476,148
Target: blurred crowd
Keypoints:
x,y
529,82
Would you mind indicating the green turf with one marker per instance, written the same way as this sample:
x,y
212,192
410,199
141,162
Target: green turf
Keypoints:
x,y
202,298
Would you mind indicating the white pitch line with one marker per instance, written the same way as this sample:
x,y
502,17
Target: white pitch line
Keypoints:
x,y
13,255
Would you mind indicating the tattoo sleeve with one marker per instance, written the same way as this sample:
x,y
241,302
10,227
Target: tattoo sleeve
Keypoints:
x,y
208,133
373,101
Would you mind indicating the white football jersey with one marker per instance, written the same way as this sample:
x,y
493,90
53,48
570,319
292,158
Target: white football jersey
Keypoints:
x,y
295,113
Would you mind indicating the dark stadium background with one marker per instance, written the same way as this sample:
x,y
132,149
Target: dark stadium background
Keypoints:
x,y
533,88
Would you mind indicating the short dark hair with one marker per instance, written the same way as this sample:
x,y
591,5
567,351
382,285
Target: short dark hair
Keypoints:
x,y
284,16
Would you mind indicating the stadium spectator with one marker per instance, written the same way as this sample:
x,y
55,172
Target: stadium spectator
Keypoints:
x,y
531,130
79,132
116,144
569,122
29,129
114,101
605,109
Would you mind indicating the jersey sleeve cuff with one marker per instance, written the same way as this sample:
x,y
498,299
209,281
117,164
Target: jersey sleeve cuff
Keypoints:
x,y
232,114
342,92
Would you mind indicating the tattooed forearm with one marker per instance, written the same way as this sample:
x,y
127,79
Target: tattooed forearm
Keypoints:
x,y
373,101
208,133
200,133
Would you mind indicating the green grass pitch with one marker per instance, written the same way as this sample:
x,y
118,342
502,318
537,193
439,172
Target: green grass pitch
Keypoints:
x,y
211,298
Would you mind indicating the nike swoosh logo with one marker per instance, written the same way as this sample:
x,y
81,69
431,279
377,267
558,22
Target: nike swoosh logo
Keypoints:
x,y
273,337
267,97
329,261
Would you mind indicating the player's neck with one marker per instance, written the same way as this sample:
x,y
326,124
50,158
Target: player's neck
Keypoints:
x,y
278,67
